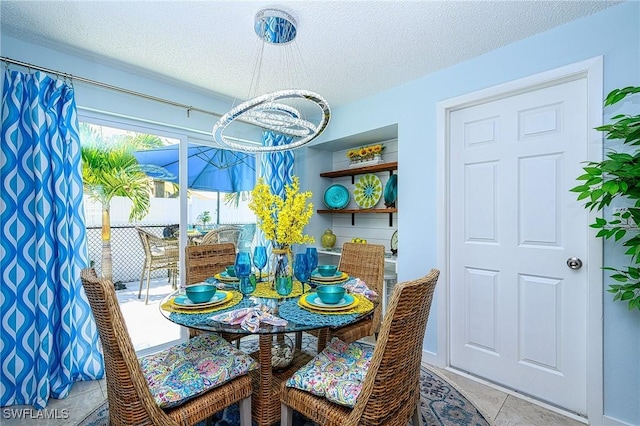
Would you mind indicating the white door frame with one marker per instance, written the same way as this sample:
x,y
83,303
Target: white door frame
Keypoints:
x,y
592,70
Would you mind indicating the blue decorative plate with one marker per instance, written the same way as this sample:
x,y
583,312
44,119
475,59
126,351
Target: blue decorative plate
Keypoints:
x,y
336,197
391,191
316,274
226,278
183,300
313,300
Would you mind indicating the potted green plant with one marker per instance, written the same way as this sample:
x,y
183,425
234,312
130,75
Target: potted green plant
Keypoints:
x,y
618,175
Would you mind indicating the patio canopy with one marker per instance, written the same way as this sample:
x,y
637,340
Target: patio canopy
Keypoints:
x,y
208,169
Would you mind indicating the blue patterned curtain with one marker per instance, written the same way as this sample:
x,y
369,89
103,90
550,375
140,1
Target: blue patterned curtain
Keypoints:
x,y
276,169
48,336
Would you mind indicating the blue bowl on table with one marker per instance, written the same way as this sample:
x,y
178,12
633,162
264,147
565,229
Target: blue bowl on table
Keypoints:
x,y
200,293
330,294
327,270
231,271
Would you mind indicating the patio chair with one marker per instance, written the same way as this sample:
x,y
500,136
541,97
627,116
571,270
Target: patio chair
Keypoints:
x,y
390,393
159,253
223,234
365,261
131,387
204,261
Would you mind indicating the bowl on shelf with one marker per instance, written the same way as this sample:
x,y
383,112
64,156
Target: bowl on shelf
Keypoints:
x,y
327,270
231,271
330,294
200,293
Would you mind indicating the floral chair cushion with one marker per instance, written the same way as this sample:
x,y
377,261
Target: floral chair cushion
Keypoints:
x,y
187,370
336,373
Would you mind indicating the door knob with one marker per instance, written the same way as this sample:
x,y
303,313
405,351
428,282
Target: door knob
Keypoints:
x,y
574,263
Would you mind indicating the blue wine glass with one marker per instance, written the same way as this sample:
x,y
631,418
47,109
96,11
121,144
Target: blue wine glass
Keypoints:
x,y
243,270
312,258
260,259
301,268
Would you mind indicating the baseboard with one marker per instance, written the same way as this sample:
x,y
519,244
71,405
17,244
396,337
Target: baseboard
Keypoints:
x,y
610,421
432,358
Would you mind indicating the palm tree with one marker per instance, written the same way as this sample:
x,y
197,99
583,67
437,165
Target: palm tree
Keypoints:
x,y
109,172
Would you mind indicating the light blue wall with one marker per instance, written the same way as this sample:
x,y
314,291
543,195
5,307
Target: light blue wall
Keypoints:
x,y
613,33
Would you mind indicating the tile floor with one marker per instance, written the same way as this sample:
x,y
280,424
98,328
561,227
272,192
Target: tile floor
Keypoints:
x,y
500,407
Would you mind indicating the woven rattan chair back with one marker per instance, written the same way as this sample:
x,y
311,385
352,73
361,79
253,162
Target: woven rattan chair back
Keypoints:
x,y
390,393
130,400
223,234
365,261
206,260
159,254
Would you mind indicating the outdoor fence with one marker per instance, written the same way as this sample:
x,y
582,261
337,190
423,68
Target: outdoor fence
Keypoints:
x,y
127,253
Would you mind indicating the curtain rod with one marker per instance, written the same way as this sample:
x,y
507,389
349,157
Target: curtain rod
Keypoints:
x,y
71,77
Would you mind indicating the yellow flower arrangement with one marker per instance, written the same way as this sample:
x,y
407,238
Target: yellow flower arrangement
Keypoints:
x,y
282,219
365,153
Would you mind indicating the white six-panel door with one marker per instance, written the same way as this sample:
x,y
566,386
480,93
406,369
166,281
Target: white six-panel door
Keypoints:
x,y
518,313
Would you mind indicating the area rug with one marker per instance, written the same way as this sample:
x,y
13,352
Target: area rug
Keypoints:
x,y
441,403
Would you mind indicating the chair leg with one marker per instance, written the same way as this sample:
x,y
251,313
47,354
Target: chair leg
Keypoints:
x,y
146,300
245,411
144,269
286,415
416,419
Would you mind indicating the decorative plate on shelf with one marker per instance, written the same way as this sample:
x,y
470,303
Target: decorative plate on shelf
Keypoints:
x,y
368,191
336,197
394,243
391,191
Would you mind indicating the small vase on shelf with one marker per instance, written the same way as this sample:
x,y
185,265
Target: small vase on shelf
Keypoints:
x,y
328,239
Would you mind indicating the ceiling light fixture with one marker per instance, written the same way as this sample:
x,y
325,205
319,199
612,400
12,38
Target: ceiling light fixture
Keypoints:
x,y
301,114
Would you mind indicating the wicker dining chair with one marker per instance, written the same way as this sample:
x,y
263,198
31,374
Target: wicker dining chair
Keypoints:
x,y
364,261
390,392
159,254
204,261
223,234
130,399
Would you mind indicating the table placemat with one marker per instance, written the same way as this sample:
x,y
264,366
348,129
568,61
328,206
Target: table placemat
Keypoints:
x,y
291,311
171,306
263,289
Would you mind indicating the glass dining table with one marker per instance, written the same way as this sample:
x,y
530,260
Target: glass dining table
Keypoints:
x,y
299,315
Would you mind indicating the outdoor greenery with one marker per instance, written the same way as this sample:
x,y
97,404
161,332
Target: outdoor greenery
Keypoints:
x,y
618,176
204,217
232,199
109,170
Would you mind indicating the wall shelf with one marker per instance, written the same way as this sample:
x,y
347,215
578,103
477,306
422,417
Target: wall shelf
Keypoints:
x,y
363,211
384,167
353,212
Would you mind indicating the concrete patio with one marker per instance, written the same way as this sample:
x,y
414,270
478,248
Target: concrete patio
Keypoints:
x,y
147,327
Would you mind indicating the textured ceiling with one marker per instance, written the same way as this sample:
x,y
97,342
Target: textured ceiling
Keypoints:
x,y
345,50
